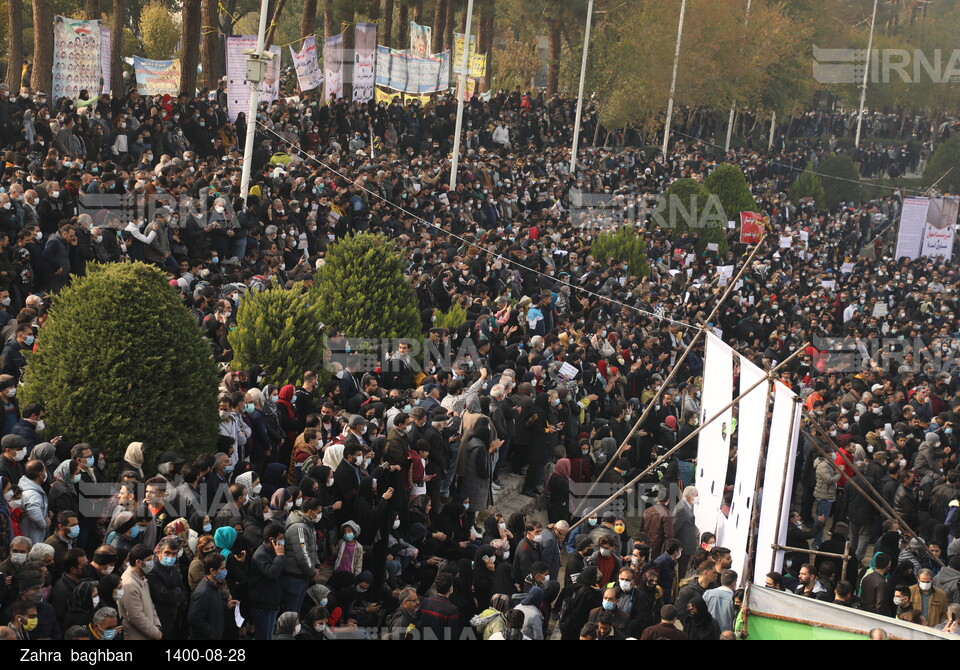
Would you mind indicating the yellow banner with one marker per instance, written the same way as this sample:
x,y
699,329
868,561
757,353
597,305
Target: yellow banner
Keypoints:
x,y
383,96
477,62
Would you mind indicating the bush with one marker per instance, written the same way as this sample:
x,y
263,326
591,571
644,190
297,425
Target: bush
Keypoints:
x,y
688,207
121,360
363,291
946,156
623,245
728,183
453,318
808,185
840,179
279,330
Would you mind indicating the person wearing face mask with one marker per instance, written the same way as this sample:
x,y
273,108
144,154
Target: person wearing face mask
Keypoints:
x,y
14,359
136,608
347,477
301,565
206,615
34,502
166,585
264,575
24,619
12,460
931,601
81,605
104,624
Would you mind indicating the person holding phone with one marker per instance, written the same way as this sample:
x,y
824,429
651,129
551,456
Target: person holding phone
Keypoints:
x,y
264,575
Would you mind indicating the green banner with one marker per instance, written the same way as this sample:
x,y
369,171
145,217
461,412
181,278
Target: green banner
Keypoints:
x,y
759,628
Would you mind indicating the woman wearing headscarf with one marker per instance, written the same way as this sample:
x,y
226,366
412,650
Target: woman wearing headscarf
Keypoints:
x,y
109,590
47,453
314,624
133,459
287,626
370,510
6,519
475,464
462,595
517,527
63,494
231,547
29,127
274,479
288,422
700,623
81,605
196,571
492,619
250,481
558,491
281,505
484,569
271,415
454,523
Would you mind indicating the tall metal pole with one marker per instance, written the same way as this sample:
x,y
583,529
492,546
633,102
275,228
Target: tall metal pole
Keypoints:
x,y
461,90
252,111
673,82
733,105
773,127
583,76
866,73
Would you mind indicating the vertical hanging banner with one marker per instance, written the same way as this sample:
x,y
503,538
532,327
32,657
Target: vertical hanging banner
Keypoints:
x,y
940,226
777,483
238,88
913,219
76,58
751,417
157,77
476,63
333,67
421,40
364,61
305,63
713,450
106,68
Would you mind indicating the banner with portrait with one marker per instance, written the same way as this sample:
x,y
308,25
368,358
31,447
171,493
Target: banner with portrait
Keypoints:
x,y
157,77
421,40
238,88
333,67
76,58
364,61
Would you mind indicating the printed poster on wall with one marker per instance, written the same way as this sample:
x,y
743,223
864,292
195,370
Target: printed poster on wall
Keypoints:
x,y
308,70
333,67
106,68
364,62
157,77
421,40
238,88
76,58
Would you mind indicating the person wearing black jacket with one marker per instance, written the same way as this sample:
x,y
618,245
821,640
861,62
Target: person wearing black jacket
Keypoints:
x,y
206,615
346,480
166,586
584,597
263,589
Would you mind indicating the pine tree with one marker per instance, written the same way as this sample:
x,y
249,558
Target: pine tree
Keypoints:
x,y
624,245
363,290
121,360
688,207
728,183
840,179
808,185
280,331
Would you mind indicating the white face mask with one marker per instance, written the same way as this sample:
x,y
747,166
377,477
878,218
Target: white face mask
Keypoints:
x,y
40,426
256,489
96,601
8,495
396,523
107,569
925,586
18,559
118,595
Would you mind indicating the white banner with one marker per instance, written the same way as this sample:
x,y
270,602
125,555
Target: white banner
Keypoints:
x,y
364,61
305,63
751,417
714,442
106,68
940,228
913,218
777,483
238,88
76,58
333,67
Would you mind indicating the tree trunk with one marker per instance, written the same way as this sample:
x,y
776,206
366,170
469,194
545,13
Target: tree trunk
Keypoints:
x,y
403,25
439,20
15,52
386,32
91,10
416,14
485,41
308,20
553,71
42,77
330,27
448,25
191,46
116,48
209,39
272,26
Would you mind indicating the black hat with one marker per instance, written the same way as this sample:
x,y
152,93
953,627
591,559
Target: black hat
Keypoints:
x,y
170,457
13,442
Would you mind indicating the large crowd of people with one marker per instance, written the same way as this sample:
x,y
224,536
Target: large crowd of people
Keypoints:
x,y
364,502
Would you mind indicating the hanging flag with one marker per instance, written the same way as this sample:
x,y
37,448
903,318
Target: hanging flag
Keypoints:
x,y
305,63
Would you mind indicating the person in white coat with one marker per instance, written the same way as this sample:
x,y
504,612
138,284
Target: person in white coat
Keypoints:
x,y
36,514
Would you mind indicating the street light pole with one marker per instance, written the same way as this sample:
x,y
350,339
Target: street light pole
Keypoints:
x,y
673,82
866,73
461,91
254,101
583,76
